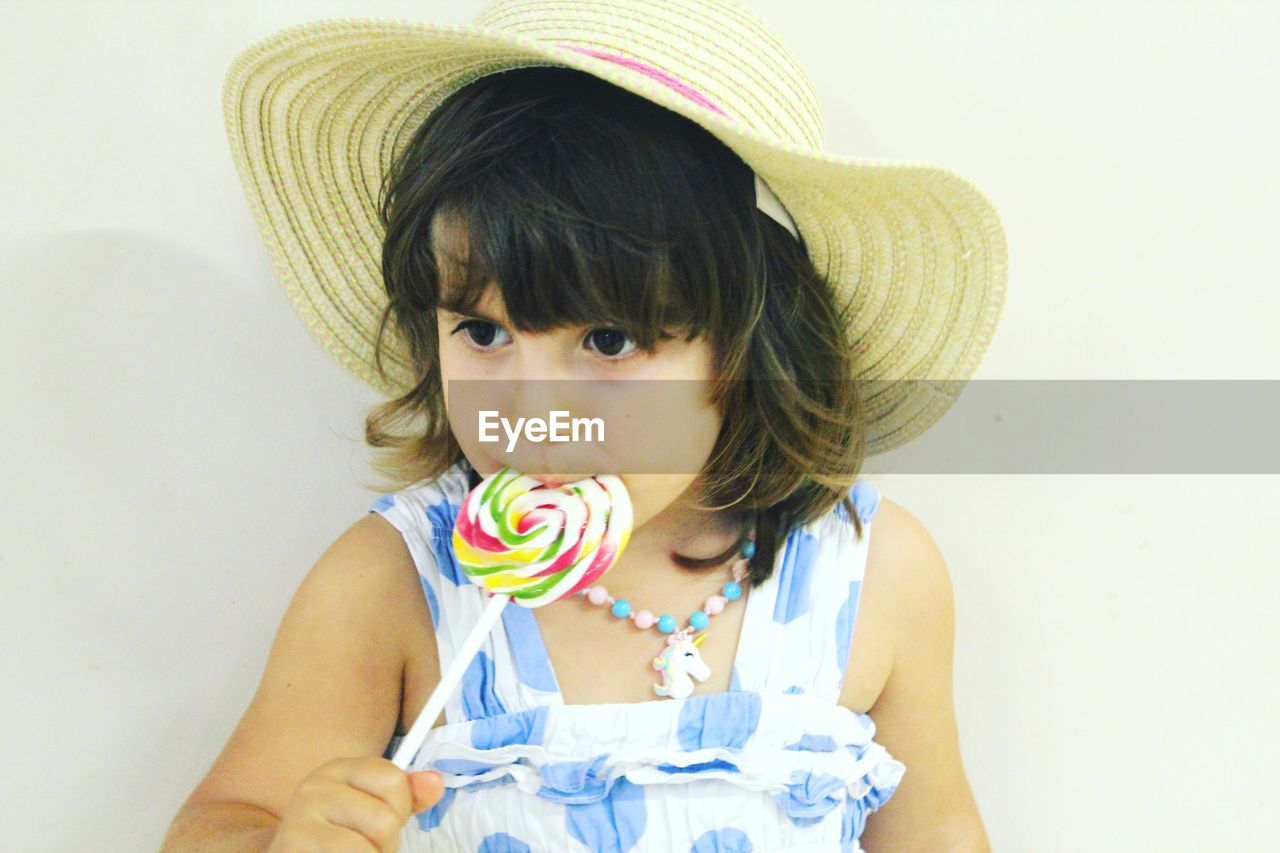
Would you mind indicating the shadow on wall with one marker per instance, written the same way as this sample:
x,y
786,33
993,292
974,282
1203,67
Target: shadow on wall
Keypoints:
x,y
153,404
129,357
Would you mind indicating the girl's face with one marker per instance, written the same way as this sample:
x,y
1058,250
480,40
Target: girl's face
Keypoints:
x,y
538,372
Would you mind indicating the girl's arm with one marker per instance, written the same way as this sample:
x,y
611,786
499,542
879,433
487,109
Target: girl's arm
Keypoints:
x,y
933,808
331,688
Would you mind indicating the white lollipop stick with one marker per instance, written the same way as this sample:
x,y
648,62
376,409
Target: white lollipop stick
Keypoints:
x,y
417,733
596,513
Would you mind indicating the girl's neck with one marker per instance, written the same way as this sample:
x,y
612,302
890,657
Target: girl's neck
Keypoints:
x,y
681,528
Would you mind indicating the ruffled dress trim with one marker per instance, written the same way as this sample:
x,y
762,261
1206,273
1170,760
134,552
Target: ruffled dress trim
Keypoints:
x,y
809,754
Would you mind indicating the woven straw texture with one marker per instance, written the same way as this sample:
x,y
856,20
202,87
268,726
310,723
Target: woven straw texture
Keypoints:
x,y
316,113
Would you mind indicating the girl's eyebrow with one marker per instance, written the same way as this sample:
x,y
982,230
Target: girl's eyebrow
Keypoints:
x,y
457,306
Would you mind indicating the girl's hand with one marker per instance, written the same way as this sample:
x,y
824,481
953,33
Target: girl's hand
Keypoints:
x,y
354,804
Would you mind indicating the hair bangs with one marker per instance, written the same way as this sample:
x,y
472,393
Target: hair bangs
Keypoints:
x,y
559,259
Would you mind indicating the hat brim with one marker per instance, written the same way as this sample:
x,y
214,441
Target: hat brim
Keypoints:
x,y
316,113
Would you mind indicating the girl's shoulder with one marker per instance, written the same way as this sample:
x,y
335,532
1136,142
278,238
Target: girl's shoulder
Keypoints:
x,y
906,590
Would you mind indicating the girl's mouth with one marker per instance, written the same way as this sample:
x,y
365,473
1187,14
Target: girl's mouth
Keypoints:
x,y
554,480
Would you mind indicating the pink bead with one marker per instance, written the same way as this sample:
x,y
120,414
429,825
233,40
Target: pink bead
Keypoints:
x,y
715,604
598,595
644,619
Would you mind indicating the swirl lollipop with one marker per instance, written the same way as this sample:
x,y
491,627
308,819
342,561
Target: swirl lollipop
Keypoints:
x,y
516,537
521,539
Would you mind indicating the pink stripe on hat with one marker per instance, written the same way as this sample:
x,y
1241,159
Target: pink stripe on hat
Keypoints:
x,y
657,74
766,201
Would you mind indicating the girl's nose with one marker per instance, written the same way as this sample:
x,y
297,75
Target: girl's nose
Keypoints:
x,y
541,357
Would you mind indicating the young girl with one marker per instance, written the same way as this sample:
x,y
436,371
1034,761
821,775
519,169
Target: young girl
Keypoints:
x,y
542,221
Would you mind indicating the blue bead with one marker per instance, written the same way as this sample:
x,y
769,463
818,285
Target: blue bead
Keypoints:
x,y
699,620
749,550
732,591
622,608
667,623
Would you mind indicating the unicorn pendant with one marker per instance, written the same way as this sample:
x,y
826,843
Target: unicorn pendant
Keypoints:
x,y
680,663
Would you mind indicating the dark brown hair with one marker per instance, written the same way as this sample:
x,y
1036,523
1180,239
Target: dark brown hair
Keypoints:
x,y
588,205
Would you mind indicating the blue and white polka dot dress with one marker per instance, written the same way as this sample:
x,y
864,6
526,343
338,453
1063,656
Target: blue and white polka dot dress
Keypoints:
x,y
773,764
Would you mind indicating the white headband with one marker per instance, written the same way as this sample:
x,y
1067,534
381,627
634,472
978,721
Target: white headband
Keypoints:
x,y
768,203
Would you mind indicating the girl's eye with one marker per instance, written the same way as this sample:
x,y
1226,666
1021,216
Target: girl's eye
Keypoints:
x,y
483,334
611,343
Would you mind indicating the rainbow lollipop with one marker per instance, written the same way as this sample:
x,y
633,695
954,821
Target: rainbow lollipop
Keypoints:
x,y
521,539
515,536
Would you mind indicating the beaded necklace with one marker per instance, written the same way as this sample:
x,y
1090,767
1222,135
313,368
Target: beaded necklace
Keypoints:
x,y
680,661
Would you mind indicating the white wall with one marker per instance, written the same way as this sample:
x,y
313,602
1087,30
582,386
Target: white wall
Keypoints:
x,y
176,450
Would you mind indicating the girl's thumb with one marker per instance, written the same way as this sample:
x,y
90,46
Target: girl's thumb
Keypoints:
x,y
427,787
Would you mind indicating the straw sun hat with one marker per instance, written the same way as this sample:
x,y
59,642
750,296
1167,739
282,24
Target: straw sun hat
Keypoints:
x,y
316,113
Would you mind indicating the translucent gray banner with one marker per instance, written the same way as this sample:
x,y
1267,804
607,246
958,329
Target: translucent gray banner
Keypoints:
x,y
992,427
1121,426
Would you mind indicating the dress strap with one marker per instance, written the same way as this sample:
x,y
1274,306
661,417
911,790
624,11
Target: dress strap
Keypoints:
x,y
798,625
509,672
